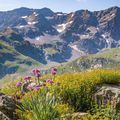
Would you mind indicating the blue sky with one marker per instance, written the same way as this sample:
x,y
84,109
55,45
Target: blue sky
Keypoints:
x,y
59,5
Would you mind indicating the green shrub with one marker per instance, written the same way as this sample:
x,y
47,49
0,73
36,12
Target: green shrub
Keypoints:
x,y
103,113
43,105
75,92
77,89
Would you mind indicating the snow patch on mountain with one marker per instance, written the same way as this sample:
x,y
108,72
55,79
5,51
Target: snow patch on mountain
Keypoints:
x,y
108,40
49,18
21,26
32,23
103,35
72,15
61,27
24,17
59,14
37,38
35,13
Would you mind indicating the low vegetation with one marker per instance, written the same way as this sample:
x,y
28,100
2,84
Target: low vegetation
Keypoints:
x,y
107,59
59,96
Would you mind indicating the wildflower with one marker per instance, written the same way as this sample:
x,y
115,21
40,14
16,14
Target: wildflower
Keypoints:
x,y
49,81
31,86
19,84
38,75
27,78
53,71
37,88
36,72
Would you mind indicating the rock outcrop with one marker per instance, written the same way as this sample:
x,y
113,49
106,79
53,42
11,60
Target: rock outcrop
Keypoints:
x,y
108,94
79,115
7,107
3,116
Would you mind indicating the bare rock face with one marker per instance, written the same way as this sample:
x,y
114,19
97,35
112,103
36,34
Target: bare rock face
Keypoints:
x,y
7,107
3,116
108,94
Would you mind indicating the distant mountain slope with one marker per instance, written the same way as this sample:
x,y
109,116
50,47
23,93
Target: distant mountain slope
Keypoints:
x,y
109,58
18,55
11,60
89,31
31,37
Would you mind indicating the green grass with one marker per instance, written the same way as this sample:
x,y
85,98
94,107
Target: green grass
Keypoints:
x,y
74,94
23,62
112,56
51,50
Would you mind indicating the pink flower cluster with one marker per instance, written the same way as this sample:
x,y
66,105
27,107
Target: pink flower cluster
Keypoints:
x,y
18,84
27,78
37,86
34,87
36,72
53,71
49,81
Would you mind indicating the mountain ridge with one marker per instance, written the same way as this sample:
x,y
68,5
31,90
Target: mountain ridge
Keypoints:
x,y
55,37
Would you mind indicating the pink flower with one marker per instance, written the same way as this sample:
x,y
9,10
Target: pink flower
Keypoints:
x,y
49,81
38,75
27,78
18,84
36,72
53,71
30,88
37,88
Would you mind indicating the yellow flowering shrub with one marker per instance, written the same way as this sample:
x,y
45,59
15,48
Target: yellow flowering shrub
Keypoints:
x,y
69,92
77,88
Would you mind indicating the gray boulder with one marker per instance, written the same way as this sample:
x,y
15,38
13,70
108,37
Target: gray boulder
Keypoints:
x,y
79,115
7,107
108,94
3,116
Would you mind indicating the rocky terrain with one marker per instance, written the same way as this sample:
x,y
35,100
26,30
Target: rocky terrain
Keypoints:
x,y
31,37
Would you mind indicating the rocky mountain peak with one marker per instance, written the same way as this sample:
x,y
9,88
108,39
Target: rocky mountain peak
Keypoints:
x,y
46,11
100,29
46,36
109,21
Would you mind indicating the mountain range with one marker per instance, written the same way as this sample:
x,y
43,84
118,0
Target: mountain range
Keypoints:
x,y
33,37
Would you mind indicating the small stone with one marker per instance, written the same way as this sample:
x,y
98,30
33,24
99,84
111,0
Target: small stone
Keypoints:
x,y
79,115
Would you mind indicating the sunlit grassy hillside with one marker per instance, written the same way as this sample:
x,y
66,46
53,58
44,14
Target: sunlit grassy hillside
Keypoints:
x,y
109,59
60,96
